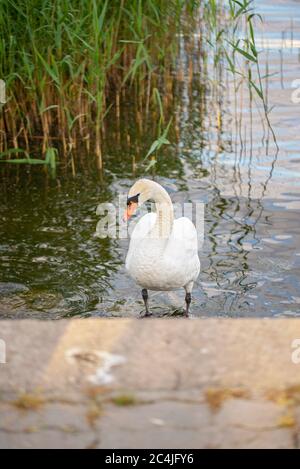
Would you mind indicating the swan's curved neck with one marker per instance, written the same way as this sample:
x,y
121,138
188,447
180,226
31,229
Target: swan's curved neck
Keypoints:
x,y
164,214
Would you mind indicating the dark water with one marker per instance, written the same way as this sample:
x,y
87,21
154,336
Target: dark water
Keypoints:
x,y
51,263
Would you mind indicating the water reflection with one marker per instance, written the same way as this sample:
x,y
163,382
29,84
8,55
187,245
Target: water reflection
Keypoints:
x,y
53,266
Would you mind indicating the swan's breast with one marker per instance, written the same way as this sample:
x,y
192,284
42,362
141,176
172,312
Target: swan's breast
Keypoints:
x,y
154,267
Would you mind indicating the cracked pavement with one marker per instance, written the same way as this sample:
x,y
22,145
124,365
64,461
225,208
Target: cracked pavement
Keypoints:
x,y
125,383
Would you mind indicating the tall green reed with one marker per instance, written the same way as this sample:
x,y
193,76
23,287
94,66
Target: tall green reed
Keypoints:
x,y
65,63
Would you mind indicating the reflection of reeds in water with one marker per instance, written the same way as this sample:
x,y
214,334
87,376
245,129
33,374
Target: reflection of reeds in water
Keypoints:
x,y
218,128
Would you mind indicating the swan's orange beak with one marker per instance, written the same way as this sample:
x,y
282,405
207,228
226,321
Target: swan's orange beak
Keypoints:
x,y
131,208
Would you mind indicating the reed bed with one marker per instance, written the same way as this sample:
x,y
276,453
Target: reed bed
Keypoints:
x,y
68,64
65,63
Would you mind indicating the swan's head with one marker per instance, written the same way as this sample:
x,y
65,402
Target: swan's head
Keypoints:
x,y
141,191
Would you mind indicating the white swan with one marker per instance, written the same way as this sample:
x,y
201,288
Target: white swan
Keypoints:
x,y
163,252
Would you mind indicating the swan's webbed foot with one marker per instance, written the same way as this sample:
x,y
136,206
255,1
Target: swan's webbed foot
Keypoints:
x,y
145,298
146,315
188,299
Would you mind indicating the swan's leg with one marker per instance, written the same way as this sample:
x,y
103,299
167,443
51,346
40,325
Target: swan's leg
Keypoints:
x,y
145,298
188,297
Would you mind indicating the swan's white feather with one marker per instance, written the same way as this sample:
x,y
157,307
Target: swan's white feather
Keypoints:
x,y
160,263
144,225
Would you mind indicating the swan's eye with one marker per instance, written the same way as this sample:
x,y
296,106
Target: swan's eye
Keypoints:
x,y
133,199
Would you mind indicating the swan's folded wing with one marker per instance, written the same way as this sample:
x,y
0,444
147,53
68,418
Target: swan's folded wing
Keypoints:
x,y
184,232
182,248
